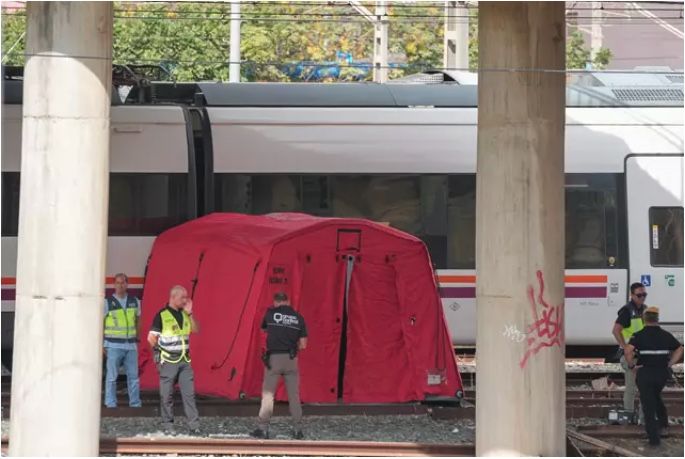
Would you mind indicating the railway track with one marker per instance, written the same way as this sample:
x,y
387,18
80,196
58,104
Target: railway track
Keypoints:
x,y
581,441
220,446
596,410
579,403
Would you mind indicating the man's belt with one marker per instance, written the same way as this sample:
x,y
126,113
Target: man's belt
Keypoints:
x,y
291,352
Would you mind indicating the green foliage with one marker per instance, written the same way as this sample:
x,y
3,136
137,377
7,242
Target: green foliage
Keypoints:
x,y
602,58
578,55
194,45
13,28
193,38
417,41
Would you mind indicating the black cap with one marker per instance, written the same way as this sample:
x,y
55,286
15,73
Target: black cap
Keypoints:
x,y
280,297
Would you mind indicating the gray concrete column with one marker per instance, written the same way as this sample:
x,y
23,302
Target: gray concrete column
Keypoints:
x,y
520,405
62,230
456,39
234,50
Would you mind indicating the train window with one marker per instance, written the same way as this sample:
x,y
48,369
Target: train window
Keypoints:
x,y
10,203
233,193
592,221
439,209
461,221
315,195
394,199
275,193
666,235
258,194
411,203
434,193
146,204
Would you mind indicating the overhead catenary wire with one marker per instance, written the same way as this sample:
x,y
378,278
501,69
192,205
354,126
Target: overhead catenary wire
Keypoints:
x,y
362,65
653,6
371,4
354,19
174,14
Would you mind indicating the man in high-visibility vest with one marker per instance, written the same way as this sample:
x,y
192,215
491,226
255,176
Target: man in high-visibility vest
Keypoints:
x,y
170,340
122,313
629,322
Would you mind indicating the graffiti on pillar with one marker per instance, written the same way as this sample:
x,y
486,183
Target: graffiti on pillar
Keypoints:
x,y
547,329
513,333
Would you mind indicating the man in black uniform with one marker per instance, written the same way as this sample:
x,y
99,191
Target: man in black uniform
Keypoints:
x,y
657,350
286,334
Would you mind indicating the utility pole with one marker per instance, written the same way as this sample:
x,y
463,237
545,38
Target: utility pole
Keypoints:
x,y
379,19
596,36
456,54
380,44
62,241
234,55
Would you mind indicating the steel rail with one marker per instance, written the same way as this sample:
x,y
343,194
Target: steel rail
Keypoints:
x,y
617,450
221,446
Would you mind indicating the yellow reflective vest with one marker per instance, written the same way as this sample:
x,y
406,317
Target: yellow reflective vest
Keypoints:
x,y
636,324
121,324
174,341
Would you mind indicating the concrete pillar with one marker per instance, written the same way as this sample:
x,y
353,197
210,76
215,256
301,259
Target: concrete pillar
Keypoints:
x,y
56,381
456,52
520,405
234,54
380,43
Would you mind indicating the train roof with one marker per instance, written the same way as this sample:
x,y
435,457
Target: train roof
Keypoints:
x,y
412,95
584,90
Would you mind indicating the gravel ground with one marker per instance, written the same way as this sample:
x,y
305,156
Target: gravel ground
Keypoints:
x,y
670,447
408,428
672,421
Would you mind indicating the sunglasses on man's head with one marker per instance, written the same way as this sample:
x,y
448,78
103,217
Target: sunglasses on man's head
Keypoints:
x,y
641,295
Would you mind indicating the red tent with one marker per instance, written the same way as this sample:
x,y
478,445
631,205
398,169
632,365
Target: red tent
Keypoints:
x,y
377,332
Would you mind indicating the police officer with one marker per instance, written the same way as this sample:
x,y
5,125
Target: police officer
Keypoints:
x,y
286,335
122,313
628,322
657,350
170,340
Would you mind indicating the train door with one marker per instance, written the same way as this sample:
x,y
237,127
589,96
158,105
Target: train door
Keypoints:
x,y
654,187
203,165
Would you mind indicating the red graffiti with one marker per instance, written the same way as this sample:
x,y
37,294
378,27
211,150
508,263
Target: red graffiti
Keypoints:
x,y
548,328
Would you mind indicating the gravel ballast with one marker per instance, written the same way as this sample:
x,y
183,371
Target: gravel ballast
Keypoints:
x,y
403,428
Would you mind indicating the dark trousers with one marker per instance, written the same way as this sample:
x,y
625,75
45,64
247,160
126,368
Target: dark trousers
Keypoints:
x,y
168,374
650,383
281,365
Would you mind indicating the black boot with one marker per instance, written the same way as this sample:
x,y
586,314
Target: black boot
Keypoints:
x,y
259,433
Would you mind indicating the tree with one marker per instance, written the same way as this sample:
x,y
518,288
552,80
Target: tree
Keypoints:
x,y
13,37
578,56
280,42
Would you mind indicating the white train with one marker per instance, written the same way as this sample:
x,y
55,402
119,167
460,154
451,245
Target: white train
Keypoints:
x,y
398,153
